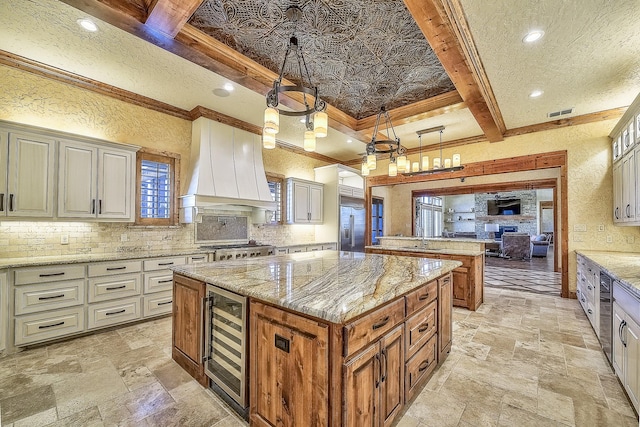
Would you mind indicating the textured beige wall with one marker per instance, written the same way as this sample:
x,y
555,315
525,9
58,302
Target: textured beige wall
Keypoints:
x,y
590,184
37,101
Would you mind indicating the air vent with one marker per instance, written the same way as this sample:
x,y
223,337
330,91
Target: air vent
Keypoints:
x,y
560,113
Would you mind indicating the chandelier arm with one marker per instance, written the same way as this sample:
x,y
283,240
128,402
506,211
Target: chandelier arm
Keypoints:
x,y
300,62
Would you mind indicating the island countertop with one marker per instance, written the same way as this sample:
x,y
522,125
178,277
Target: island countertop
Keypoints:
x,y
331,285
427,251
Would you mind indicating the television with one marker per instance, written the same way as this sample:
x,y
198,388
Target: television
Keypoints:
x,y
503,207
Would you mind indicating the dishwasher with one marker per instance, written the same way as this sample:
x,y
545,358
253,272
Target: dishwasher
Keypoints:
x,y
606,313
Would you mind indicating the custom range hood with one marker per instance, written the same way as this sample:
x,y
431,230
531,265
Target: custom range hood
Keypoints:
x,y
225,172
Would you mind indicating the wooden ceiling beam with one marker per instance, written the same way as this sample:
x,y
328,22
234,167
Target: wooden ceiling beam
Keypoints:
x,y
443,24
420,110
169,16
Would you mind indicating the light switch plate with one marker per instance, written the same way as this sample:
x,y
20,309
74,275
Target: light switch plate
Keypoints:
x,y
580,227
600,227
64,239
609,239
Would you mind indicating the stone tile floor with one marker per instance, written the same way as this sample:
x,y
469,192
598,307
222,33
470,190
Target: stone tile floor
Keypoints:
x,y
517,279
522,359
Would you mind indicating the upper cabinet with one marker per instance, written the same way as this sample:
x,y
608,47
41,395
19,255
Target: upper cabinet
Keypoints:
x,y
626,167
95,182
91,179
304,201
27,164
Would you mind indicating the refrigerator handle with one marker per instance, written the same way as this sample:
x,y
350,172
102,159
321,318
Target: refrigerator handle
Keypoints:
x,y
352,230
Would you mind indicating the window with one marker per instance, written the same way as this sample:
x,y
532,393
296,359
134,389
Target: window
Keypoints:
x,y
276,187
428,218
377,219
156,195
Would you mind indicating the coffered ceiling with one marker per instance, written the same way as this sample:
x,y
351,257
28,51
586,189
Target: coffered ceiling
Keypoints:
x,y
458,63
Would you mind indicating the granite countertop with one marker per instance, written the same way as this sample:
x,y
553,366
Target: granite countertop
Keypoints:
x,y
463,252
79,258
437,239
290,245
623,266
331,285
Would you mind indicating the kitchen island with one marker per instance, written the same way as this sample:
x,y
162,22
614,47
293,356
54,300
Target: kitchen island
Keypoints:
x,y
336,338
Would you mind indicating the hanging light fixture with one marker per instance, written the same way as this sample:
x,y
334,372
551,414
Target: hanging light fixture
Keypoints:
x,y
268,139
392,147
316,120
440,164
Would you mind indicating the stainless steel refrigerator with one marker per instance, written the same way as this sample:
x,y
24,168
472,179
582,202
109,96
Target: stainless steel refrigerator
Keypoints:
x,y
352,224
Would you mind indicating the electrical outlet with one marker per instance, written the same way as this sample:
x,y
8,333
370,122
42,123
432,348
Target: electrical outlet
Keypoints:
x,y
580,227
124,238
64,239
578,238
630,240
609,239
600,227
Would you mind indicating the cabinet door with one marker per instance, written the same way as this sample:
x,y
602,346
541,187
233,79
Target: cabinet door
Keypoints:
x,y
315,204
445,316
616,338
361,388
461,287
4,165
4,310
301,196
392,380
617,193
290,373
115,184
632,361
77,177
629,187
188,319
30,178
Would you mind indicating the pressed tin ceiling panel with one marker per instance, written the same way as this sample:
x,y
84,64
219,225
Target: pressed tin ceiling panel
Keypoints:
x,y
361,54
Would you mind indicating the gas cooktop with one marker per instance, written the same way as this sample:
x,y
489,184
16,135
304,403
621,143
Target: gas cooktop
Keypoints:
x,y
239,246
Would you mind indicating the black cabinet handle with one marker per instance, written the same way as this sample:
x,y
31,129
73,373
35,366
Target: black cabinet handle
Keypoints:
x,y
51,297
197,258
165,303
381,323
424,365
115,268
616,213
1,202
424,297
100,206
165,281
115,312
384,371
628,211
590,311
113,288
423,327
11,202
51,326
377,371
93,206
52,274
165,263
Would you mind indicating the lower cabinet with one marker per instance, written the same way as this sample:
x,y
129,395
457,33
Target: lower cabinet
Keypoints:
x,y
188,326
289,370
626,348
374,382
445,316
113,312
4,310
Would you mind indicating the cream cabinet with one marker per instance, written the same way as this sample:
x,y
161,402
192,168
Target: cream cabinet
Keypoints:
x,y
27,163
158,284
588,290
626,342
95,182
4,310
304,202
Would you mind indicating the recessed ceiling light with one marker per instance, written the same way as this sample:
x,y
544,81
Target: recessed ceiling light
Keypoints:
x,y
87,24
535,94
228,87
533,36
221,92
303,120
349,141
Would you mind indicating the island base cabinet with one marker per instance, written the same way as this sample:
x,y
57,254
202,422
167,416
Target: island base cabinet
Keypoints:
x,y
374,382
188,326
419,367
289,370
445,316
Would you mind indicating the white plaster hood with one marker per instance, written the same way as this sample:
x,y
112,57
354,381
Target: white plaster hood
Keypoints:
x,y
225,172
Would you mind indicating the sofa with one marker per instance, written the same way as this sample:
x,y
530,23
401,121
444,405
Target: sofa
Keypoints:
x,y
539,245
516,245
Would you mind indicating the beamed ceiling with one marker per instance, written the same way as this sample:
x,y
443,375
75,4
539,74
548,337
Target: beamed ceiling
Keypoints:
x,y
457,63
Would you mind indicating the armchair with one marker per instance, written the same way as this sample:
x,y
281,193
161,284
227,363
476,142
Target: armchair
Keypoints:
x,y
516,245
539,245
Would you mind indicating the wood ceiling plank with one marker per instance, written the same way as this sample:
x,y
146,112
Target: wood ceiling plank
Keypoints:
x,y
444,26
420,110
169,16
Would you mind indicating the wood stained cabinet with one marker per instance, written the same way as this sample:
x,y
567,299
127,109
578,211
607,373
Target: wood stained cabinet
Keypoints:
x,y
445,316
290,369
27,165
188,326
374,382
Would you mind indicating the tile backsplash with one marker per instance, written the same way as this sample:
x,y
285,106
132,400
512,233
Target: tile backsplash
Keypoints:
x,y
34,238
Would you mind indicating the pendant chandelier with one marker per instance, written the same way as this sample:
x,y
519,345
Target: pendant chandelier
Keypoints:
x,y
392,147
315,117
440,164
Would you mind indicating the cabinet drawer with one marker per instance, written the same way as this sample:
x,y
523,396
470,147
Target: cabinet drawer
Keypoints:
x,y
421,297
115,267
106,288
197,259
158,281
48,296
419,328
157,304
163,263
50,273
297,250
419,367
329,247
369,328
282,251
113,312
45,326
314,248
